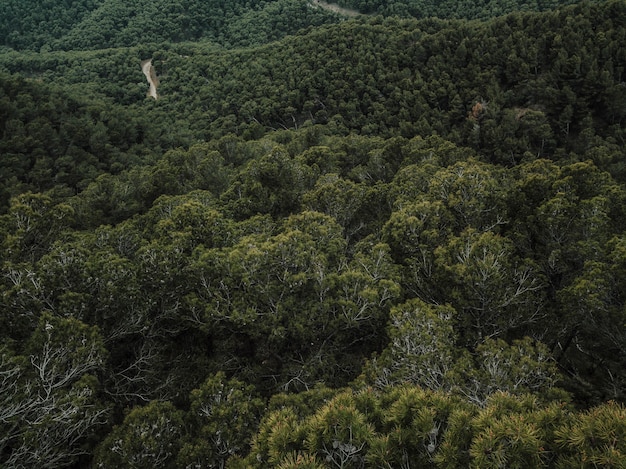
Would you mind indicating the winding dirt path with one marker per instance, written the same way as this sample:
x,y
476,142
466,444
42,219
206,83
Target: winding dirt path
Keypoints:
x,y
153,80
335,8
150,73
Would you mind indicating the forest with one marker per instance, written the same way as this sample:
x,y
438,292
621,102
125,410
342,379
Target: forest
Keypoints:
x,y
395,239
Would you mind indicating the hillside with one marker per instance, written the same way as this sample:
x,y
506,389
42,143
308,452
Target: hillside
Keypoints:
x,y
98,24
459,9
331,241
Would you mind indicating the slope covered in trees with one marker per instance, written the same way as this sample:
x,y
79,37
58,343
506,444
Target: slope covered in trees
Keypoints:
x,y
377,243
451,8
100,24
515,88
96,24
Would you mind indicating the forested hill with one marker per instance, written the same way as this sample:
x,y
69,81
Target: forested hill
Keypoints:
x,y
367,242
97,24
467,9
522,86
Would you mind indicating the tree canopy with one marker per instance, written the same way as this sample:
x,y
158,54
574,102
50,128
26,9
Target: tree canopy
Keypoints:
x,y
394,240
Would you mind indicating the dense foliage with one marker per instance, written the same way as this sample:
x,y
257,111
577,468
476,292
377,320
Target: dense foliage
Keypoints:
x,y
380,242
97,24
451,8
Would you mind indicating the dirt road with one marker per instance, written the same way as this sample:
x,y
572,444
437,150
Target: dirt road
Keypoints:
x,y
153,80
148,71
335,8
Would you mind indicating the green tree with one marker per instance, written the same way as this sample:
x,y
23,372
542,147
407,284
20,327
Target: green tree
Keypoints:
x,y
350,204
473,192
50,407
273,183
35,222
511,432
524,366
223,416
422,348
413,233
149,436
339,433
594,438
414,427
493,290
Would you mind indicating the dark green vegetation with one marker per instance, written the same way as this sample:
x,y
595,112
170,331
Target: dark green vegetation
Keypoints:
x,y
98,24
468,9
380,242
